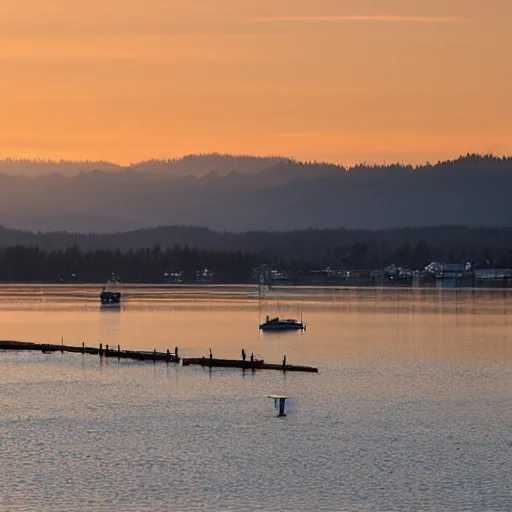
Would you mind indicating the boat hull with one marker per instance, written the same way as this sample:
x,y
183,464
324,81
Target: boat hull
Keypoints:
x,y
110,297
282,327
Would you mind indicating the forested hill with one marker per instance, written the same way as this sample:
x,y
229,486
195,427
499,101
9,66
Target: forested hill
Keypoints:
x,y
247,193
190,165
337,247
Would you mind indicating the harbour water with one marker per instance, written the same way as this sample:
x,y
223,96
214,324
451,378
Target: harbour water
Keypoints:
x,y
411,409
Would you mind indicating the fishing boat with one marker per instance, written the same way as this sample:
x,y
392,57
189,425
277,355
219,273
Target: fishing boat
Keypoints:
x,y
277,324
110,297
109,294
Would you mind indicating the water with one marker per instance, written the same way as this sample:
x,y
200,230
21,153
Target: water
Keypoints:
x,y
411,409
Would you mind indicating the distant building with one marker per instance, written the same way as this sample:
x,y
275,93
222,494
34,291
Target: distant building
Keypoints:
x,y
173,277
260,274
442,270
397,272
330,274
204,276
493,273
265,275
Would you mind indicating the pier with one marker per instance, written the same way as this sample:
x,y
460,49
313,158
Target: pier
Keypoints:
x,y
246,365
167,357
117,353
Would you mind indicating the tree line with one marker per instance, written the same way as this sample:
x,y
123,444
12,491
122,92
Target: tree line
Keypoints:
x,y
73,264
21,263
317,245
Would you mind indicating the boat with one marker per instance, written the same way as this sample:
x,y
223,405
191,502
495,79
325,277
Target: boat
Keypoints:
x,y
110,297
277,324
109,294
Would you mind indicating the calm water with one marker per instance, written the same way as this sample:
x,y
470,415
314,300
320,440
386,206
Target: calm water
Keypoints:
x,y
411,410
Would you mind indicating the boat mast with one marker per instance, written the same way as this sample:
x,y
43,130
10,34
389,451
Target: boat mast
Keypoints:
x,y
259,302
260,284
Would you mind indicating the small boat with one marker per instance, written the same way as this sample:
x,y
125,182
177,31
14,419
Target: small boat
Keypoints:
x,y
110,295
276,324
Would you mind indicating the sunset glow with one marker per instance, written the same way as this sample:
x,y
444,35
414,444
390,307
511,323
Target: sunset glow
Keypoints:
x,y
345,81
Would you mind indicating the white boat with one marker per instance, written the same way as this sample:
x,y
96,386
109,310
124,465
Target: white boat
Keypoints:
x,y
276,324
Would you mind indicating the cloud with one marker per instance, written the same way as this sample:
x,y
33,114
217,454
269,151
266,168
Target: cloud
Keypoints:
x,y
377,18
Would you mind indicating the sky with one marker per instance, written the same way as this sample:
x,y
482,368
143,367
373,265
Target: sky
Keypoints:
x,y
346,81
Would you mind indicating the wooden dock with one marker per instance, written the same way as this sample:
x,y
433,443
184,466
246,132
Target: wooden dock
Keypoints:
x,y
117,353
167,357
246,365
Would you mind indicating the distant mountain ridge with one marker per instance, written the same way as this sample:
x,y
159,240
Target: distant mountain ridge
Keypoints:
x,y
189,165
249,193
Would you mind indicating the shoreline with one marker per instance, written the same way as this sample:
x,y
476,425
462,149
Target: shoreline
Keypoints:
x,y
483,285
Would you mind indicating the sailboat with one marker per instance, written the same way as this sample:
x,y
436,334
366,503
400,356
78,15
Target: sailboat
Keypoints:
x,y
278,324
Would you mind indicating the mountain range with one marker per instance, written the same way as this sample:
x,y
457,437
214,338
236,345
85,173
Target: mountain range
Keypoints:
x,y
244,193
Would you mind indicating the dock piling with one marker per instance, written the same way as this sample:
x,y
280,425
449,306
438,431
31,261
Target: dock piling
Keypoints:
x,y
83,347
281,407
100,352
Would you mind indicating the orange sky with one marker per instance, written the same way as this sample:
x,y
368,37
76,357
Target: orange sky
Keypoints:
x,y
339,80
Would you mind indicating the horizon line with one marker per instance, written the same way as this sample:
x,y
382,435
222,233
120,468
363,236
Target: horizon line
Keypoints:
x,y
199,227
384,163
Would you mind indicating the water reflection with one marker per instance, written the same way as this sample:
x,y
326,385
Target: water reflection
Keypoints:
x,y
285,299
110,308
228,318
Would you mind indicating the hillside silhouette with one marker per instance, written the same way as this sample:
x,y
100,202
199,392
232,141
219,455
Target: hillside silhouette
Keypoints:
x,y
246,193
336,247
195,165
